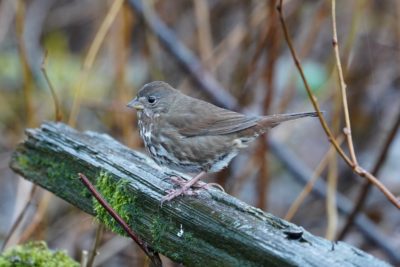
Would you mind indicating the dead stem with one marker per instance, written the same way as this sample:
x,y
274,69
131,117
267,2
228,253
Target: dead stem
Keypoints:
x,y
120,40
90,58
309,186
20,217
38,218
271,48
331,209
58,113
205,42
26,71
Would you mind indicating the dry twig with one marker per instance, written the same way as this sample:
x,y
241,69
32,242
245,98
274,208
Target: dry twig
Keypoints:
x,y
343,87
331,206
91,56
37,219
94,252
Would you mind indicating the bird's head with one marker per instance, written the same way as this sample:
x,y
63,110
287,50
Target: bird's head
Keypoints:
x,y
154,98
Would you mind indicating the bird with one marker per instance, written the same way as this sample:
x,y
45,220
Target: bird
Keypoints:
x,y
193,136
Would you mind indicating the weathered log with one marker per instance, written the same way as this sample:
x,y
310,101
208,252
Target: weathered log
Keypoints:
x,y
209,229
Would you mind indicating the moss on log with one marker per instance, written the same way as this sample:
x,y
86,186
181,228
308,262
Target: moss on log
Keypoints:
x,y
210,229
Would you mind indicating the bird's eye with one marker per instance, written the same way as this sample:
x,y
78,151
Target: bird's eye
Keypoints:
x,y
151,99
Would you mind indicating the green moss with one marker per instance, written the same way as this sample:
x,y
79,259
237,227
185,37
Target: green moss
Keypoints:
x,y
61,175
22,161
189,239
123,202
53,167
158,228
35,254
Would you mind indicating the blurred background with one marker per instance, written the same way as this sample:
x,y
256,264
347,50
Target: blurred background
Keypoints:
x,y
97,54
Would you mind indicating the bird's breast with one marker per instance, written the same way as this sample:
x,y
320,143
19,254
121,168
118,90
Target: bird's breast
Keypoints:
x,y
145,129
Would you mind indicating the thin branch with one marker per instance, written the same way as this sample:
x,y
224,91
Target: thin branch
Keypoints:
x,y
331,188
347,130
362,196
356,168
153,255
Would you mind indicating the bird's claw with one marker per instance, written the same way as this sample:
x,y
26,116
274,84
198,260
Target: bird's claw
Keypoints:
x,y
174,193
186,190
176,180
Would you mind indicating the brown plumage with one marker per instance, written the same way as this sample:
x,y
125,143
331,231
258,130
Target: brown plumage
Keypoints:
x,y
194,136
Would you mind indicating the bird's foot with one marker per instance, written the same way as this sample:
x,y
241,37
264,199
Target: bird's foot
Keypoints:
x,y
184,188
179,181
187,188
174,193
198,185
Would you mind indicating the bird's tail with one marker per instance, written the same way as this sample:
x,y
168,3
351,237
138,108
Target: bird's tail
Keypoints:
x,y
274,120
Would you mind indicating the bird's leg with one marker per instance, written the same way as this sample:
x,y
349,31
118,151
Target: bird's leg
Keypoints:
x,y
181,182
183,189
198,185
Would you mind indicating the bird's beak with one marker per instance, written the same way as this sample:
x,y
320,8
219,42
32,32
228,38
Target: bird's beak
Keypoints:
x,y
135,104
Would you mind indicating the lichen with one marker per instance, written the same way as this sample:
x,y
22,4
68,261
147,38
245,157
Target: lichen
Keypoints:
x,y
35,254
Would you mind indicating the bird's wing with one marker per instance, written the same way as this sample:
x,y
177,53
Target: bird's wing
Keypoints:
x,y
202,118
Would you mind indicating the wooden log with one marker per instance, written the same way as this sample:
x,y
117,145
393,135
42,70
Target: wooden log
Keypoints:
x,y
209,229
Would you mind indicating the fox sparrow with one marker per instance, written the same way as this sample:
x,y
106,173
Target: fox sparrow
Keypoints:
x,y
194,136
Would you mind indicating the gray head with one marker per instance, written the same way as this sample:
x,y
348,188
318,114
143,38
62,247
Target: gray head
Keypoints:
x,y
155,96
